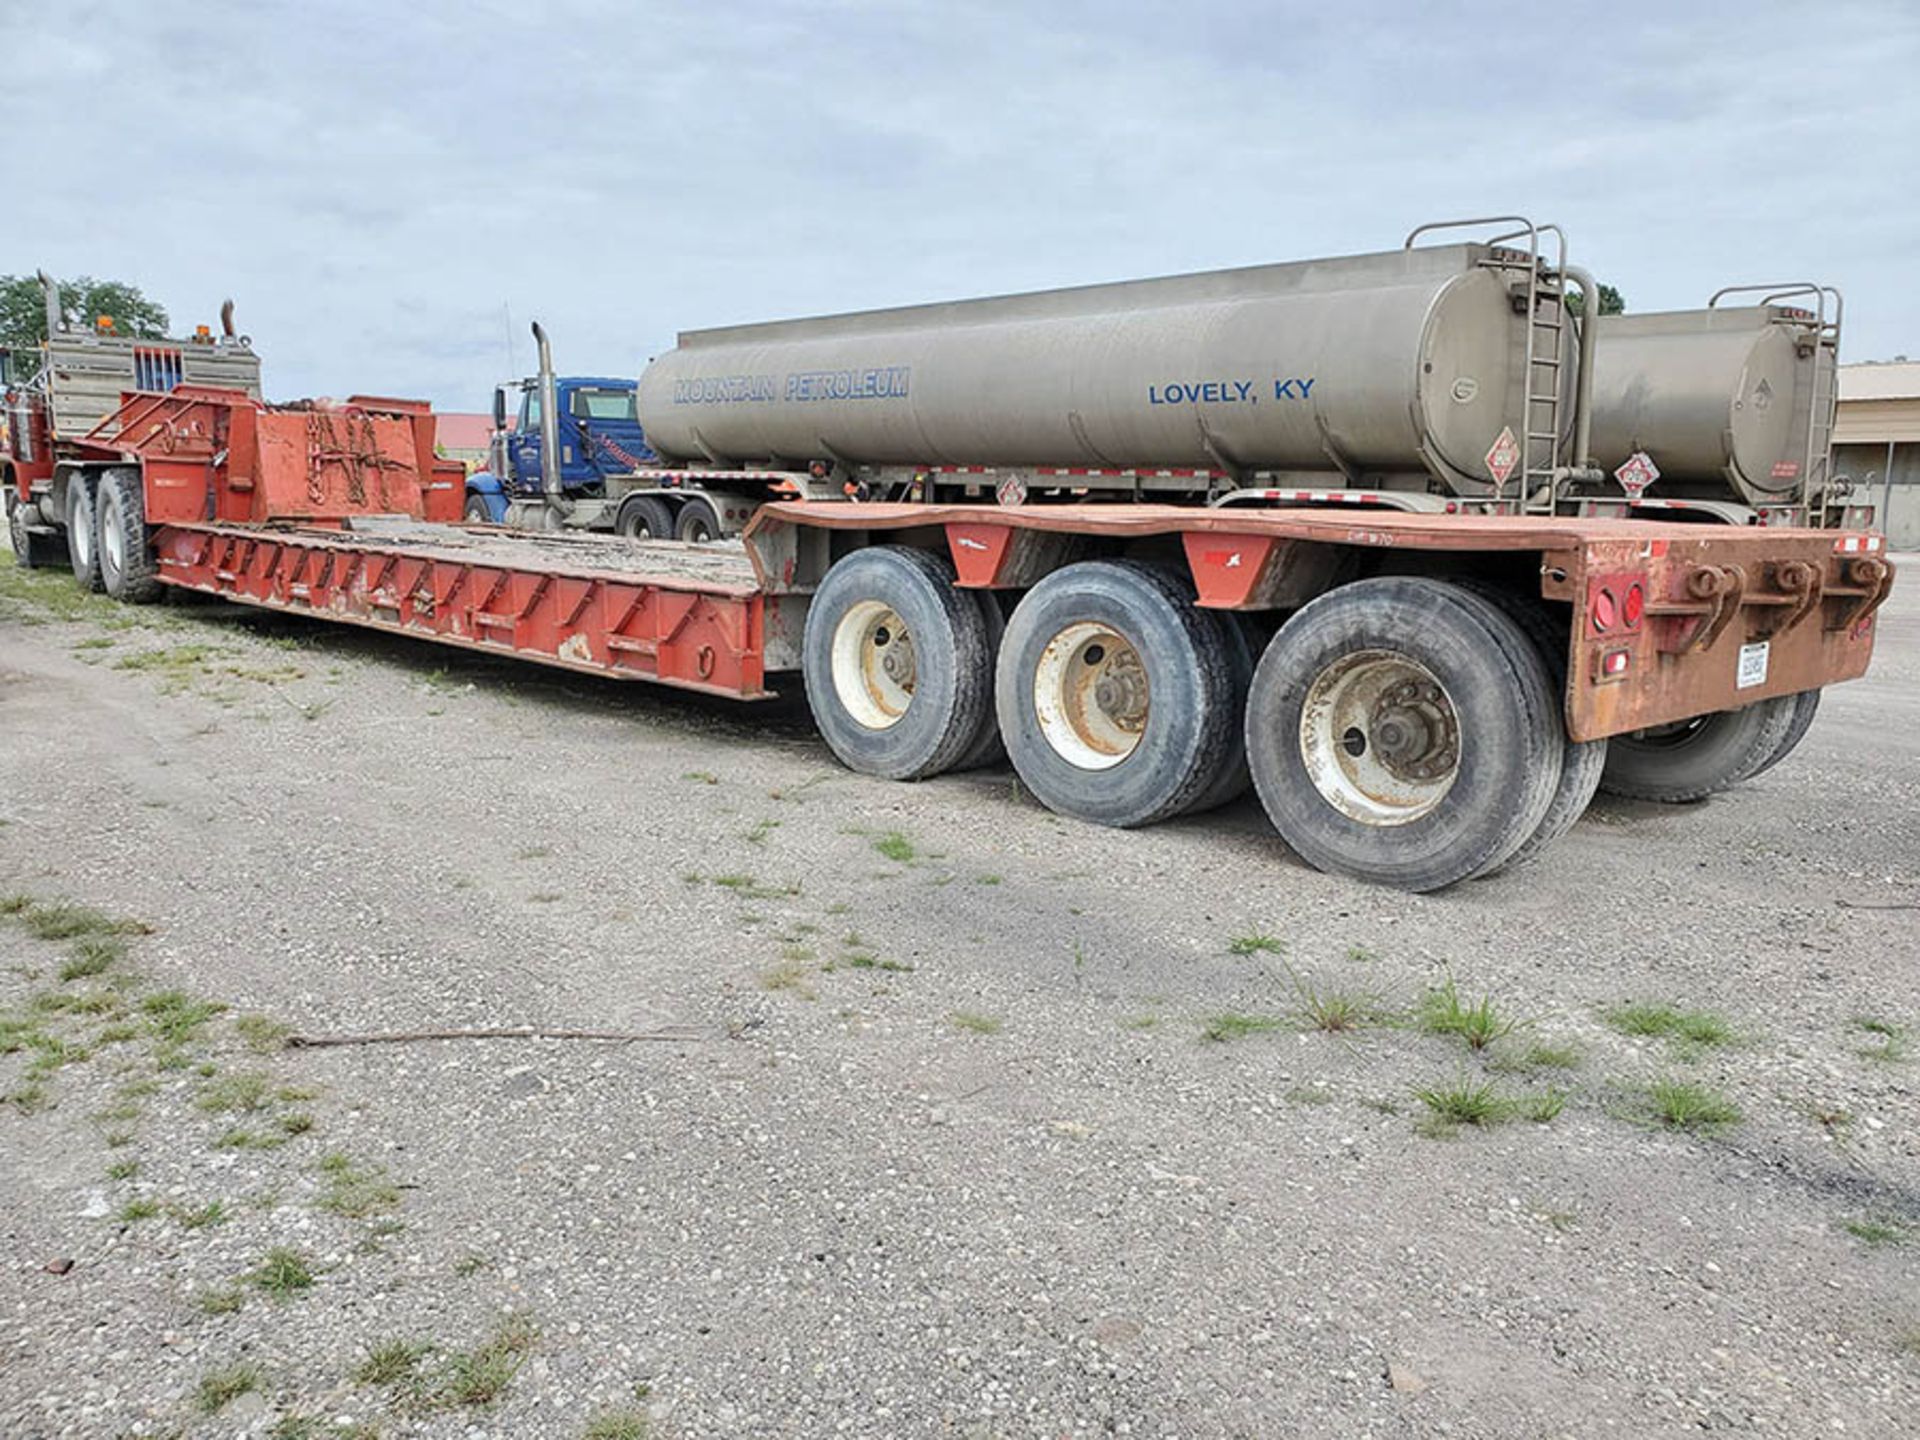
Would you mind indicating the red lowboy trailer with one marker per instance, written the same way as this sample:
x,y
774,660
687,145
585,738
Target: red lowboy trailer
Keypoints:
x,y
1417,697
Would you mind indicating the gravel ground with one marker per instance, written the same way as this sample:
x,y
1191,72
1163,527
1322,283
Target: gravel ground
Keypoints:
x,y
967,1120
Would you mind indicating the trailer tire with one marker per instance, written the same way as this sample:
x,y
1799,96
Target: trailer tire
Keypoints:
x,y
1805,706
644,517
901,713
83,547
1115,693
129,571
1584,760
697,521
1674,764
476,511
1235,777
17,535
1387,664
987,747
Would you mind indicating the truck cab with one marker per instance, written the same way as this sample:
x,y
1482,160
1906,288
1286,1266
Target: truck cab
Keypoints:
x,y
598,436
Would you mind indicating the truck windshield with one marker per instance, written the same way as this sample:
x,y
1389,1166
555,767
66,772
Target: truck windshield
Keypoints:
x,y
603,405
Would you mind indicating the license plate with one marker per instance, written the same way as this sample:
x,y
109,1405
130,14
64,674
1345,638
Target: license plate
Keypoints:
x,y
1753,666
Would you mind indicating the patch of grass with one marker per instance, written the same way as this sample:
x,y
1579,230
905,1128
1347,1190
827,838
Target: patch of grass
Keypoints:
x,y
117,1034
1891,1048
123,1169
1875,1231
1479,1022
1544,1107
27,1097
62,920
761,829
176,1017
975,1023
1466,1102
786,976
241,1093
703,777
480,1376
241,1138
139,1209
262,1035
1256,944
214,1212
353,1191
1683,1105
295,1124
1361,955
282,1273
986,879
1139,1022
896,847
1688,1029
92,955
223,1301
618,1425
219,1388
1540,1055
1332,1010
468,1265
1234,1025
392,1362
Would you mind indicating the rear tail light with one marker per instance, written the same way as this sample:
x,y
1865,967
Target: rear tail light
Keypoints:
x,y
1606,611
1634,606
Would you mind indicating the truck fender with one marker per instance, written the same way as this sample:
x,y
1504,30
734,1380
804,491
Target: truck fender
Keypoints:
x,y
488,489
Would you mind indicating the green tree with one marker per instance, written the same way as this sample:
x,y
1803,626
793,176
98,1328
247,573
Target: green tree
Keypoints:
x,y
23,310
1612,302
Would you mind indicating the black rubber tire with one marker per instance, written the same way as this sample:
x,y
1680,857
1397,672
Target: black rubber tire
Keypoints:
x,y
987,747
697,521
476,511
121,507
1191,723
1584,760
1711,754
1511,738
17,536
953,685
644,517
1235,777
1805,706
83,547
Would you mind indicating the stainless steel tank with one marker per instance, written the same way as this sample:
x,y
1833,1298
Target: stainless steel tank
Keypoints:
x,y
1406,363
1724,401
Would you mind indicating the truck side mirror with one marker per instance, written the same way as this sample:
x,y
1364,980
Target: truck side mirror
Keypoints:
x,y
499,408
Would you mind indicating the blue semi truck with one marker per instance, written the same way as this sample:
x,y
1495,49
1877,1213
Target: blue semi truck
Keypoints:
x,y
593,469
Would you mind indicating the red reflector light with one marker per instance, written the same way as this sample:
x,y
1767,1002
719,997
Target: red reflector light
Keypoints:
x,y
1606,610
1635,605
1612,664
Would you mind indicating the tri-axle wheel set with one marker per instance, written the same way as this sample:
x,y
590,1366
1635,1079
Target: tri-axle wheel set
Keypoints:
x,y
1405,730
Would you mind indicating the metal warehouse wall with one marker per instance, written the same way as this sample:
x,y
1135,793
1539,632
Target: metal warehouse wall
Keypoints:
x,y
1898,501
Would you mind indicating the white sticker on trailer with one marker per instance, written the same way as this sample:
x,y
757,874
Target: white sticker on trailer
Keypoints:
x,y
1753,666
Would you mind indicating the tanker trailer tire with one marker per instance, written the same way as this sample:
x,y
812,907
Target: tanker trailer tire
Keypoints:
x,y
1115,694
1405,732
697,521
129,571
1243,653
1584,760
896,664
987,747
1674,764
644,517
1805,706
83,547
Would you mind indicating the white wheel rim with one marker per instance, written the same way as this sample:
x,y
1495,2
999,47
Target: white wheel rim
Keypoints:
x,y
874,670
1090,695
113,541
80,532
1380,737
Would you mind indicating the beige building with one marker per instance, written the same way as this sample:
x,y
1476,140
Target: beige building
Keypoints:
x,y
1876,443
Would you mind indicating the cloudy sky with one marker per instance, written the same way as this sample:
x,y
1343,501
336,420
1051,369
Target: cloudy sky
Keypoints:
x,y
381,186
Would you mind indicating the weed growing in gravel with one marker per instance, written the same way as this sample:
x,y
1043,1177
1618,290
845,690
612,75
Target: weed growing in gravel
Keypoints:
x,y
219,1388
468,1265
1465,1102
618,1425
787,976
394,1362
1478,1023
282,1273
1538,1056
1892,1046
213,1212
61,920
297,1124
1256,944
223,1301
241,1138
321,1427
175,1017
262,1035
352,1192
896,846
141,1209
123,1169
1235,1026
1332,1010
759,832
704,777
975,1023
1875,1231
1682,1105
93,955
1687,1029
481,1375
242,1093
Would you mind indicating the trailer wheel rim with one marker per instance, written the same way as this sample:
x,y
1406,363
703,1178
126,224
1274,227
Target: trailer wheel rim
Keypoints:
x,y
1091,696
113,541
1380,737
80,533
874,669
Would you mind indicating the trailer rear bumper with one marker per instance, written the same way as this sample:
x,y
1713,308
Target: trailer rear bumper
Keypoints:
x,y
1665,621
